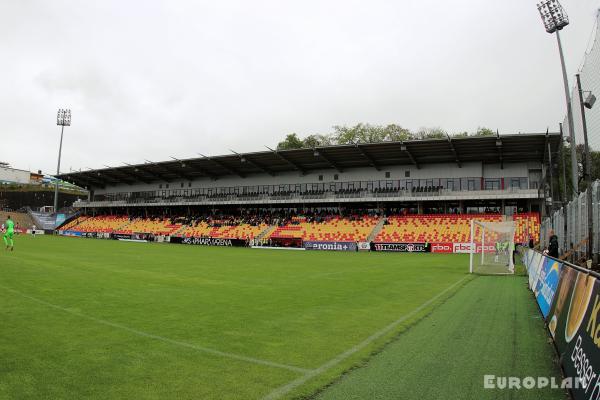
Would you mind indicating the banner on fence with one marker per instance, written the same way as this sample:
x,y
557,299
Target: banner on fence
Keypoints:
x,y
200,241
116,236
574,322
536,267
442,247
69,233
547,284
403,247
332,246
364,246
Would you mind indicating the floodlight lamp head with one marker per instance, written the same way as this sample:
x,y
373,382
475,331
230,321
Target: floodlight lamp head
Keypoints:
x,y
589,101
63,118
553,15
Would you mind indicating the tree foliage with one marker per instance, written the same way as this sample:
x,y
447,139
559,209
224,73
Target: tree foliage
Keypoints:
x,y
368,133
291,141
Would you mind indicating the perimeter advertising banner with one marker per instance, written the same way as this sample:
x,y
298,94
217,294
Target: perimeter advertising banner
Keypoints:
x,y
60,218
468,248
547,284
209,241
574,322
119,236
364,246
442,247
332,246
535,264
69,233
403,247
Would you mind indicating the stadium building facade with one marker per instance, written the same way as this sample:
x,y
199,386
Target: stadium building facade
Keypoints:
x,y
412,196
506,174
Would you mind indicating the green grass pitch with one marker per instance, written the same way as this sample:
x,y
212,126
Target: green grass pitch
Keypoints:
x,y
94,319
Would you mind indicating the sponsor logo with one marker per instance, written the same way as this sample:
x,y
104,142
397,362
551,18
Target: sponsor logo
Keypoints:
x,y
364,246
442,247
331,246
207,241
401,247
466,248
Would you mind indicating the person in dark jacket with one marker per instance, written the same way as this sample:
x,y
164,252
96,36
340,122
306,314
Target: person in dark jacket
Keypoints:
x,y
553,245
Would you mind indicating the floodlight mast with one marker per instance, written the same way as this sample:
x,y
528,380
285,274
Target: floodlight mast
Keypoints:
x,y
555,18
63,118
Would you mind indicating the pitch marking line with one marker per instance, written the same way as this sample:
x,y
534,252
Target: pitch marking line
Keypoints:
x,y
283,390
162,338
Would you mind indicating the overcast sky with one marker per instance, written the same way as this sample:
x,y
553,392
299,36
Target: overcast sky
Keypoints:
x,y
153,79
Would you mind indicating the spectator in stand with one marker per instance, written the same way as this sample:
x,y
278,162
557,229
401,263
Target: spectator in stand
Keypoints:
x,y
553,245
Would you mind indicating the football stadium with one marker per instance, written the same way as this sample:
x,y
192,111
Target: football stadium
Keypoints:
x,y
374,262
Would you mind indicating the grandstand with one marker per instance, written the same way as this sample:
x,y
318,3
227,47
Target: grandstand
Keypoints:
x,y
413,191
21,220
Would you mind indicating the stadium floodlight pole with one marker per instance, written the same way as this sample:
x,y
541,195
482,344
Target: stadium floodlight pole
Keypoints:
x,y
555,18
63,119
589,103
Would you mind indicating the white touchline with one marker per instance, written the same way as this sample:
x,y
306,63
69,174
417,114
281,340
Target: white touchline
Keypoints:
x,y
161,338
282,390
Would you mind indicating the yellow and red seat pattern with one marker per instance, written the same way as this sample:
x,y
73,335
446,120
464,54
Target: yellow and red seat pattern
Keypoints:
x,y
154,226
241,231
336,229
449,228
105,224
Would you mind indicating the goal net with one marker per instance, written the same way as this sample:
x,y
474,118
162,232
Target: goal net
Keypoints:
x,y
492,245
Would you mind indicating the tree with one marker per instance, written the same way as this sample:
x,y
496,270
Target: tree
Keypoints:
x,y
364,133
482,131
317,140
431,133
291,141
367,133
396,133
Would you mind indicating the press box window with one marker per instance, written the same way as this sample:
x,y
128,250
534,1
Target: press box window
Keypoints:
x,y
320,177
335,177
407,174
387,174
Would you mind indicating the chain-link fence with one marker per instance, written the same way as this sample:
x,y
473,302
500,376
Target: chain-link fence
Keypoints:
x,y
570,224
590,81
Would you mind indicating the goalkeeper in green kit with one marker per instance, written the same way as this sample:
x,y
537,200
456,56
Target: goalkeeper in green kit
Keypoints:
x,y
8,235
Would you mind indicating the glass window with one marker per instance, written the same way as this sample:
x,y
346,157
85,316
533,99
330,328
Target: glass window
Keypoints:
x,y
492,184
387,174
407,174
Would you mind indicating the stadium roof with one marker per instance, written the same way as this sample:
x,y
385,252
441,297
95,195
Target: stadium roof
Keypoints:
x,y
488,149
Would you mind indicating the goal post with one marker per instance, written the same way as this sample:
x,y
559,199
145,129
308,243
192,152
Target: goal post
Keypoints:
x,y
492,245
